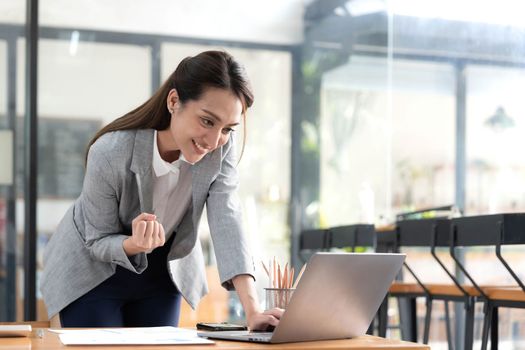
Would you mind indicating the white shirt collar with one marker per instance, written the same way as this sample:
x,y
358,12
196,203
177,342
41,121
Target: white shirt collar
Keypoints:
x,y
160,166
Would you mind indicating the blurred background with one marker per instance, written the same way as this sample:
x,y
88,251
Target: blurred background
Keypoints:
x,y
364,109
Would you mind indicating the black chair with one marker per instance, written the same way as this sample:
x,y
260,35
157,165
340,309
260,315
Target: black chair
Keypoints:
x,y
352,236
312,240
496,230
387,241
434,233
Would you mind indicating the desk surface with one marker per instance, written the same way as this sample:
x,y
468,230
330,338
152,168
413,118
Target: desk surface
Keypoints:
x,y
50,341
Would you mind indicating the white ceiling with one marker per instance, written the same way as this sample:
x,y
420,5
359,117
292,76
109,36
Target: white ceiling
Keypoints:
x,y
263,21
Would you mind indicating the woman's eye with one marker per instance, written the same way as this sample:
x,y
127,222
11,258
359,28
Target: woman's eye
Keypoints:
x,y
227,131
206,122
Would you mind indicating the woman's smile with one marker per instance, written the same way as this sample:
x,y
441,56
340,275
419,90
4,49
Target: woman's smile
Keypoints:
x,y
199,148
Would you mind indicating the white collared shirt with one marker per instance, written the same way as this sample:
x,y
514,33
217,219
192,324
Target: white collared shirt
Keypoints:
x,y
171,189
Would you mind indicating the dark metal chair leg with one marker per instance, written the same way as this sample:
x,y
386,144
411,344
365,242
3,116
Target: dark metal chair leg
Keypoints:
x,y
428,316
408,318
413,319
447,326
383,318
469,323
487,319
370,330
494,329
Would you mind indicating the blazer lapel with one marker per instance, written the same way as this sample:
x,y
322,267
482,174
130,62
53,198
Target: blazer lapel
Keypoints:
x,y
141,165
203,173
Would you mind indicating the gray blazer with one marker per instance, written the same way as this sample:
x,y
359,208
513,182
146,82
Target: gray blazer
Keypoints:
x,y
87,245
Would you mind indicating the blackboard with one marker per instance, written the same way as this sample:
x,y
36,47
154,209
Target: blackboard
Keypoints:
x,y
61,155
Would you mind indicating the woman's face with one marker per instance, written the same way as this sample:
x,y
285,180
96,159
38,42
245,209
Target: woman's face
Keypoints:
x,y
201,126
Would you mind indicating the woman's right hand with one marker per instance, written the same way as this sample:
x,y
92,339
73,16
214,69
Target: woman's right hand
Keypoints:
x,y
147,234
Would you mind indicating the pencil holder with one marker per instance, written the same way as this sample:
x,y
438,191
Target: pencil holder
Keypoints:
x,y
278,297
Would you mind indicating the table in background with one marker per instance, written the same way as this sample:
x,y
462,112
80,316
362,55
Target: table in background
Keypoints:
x,y
50,341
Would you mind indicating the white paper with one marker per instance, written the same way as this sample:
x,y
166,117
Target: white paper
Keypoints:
x,y
15,330
131,336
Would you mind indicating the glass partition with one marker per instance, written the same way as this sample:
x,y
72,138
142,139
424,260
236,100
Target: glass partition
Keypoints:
x,y
6,182
11,243
420,110
83,85
354,142
494,134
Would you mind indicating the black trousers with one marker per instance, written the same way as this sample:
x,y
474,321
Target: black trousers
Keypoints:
x,y
127,299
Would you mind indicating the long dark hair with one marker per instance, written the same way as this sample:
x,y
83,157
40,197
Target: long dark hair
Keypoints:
x,y
193,75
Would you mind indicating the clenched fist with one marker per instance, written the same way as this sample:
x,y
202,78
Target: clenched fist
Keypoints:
x,y
147,234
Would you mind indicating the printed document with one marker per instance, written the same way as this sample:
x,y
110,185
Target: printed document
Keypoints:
x,y
130,336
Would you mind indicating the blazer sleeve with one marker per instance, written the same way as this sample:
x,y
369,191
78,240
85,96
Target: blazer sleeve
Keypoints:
x,y
224,218
100,204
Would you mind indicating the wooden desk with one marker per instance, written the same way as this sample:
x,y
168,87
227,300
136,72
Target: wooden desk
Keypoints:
x,y
50,341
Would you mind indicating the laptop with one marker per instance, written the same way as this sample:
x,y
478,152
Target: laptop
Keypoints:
x,y
337,297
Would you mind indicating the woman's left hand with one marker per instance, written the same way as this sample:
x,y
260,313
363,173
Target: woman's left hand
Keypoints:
x,y
260,321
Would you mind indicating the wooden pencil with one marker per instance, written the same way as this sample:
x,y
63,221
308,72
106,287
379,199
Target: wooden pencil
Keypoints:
x,y
285,278
299,276
279,276
265,268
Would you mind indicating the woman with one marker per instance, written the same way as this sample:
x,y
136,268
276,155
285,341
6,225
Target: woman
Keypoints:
x,y
127,249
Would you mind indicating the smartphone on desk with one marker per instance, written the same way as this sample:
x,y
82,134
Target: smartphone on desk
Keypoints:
x,y
223,326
